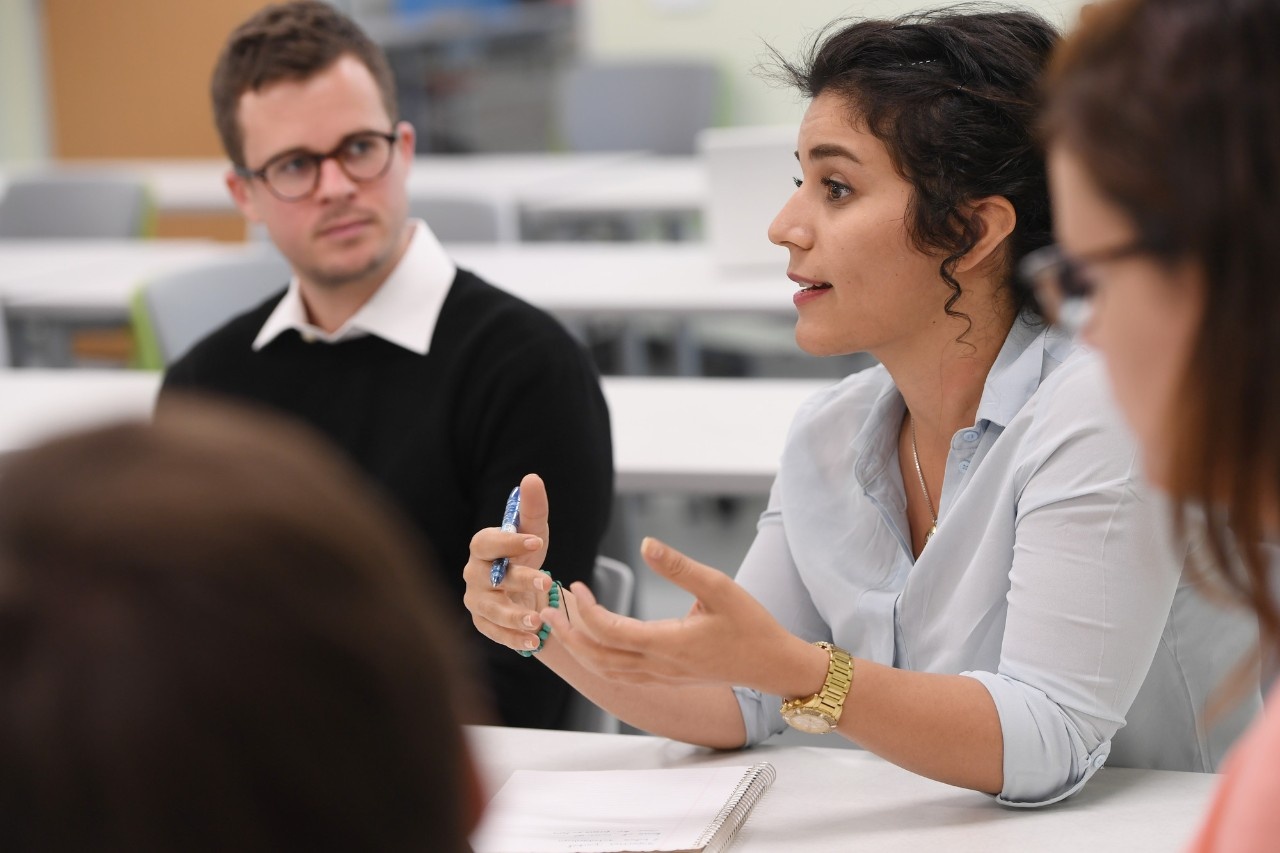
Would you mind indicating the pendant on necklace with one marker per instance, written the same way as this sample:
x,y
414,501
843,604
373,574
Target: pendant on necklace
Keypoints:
x,y
929,535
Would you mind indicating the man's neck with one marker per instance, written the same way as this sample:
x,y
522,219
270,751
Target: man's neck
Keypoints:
x,y
329,306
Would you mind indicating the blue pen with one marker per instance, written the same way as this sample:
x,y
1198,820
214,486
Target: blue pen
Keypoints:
x,y
510,521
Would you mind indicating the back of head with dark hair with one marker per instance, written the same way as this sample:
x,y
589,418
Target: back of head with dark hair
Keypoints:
x,y
289,41
953,94
1173,107
212,637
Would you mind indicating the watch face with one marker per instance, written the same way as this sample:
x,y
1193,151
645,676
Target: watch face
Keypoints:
x,y
810,722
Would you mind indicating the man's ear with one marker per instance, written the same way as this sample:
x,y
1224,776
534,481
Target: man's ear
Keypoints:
x,y
406,138
995,218
242,195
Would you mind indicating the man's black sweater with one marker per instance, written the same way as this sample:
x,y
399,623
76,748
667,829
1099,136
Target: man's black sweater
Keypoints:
x,y
503,391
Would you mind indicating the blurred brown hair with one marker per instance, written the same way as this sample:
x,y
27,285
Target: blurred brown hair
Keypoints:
x,y
289,41
1174,108
213,637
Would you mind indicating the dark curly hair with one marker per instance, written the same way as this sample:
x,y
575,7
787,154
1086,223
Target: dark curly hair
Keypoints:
x,y
953,94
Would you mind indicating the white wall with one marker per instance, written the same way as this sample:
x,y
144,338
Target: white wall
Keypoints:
x,y
733,34
23,130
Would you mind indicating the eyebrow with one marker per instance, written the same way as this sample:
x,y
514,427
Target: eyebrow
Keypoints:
x,y
828,150
302,149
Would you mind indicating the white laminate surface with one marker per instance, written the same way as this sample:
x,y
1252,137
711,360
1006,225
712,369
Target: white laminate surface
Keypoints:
x,y
845,799
36,405
704,436
63,277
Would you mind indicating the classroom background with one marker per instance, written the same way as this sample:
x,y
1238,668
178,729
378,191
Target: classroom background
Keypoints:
x,y
658,249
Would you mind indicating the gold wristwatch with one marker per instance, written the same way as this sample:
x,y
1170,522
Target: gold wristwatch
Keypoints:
x,y
819,713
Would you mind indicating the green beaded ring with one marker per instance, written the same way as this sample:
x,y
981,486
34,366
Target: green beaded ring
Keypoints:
x,y
553,600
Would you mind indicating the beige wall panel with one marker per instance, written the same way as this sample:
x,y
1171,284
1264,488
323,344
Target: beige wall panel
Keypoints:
x,y
130,78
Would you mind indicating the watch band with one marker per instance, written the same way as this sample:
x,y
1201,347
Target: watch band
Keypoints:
x,y
827,703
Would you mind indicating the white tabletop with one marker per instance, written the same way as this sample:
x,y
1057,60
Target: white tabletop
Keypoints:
x,y
99,278
715,436
36,405
845,799
639,185
701,436
510,180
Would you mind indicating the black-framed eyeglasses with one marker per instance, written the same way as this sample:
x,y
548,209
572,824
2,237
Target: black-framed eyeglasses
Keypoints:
x,y
1061,284
294,175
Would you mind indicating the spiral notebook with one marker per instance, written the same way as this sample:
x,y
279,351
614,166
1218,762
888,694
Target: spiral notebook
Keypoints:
x,y
672,810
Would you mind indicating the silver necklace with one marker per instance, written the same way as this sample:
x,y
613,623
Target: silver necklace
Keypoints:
x,y
915,455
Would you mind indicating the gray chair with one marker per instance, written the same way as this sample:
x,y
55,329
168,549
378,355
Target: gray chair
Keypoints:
x,y
614,585
175,311
642,105
464,220
71,206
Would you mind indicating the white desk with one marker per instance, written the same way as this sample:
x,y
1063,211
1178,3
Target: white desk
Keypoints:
x,y
713,436
36,405
98,278
611,181
701,436
844,799
92,278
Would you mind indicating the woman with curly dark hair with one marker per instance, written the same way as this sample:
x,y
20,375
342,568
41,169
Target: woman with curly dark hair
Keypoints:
x,y
961,528
1168,204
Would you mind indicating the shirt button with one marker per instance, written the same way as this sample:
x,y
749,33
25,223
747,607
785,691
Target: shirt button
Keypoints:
x,y
308,337
970,435
964,465
1099,760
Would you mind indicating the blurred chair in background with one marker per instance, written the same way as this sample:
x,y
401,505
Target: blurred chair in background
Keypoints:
x,y
657,106
70,207
614,586
173,312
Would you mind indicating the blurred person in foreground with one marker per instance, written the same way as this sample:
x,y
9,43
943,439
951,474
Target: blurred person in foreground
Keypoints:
x,y
1164,151
214,636
443,388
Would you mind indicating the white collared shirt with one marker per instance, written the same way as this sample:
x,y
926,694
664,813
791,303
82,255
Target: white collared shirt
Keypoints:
x,y
402,311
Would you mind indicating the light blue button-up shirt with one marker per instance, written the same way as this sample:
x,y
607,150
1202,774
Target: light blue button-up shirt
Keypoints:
x,y
1053,577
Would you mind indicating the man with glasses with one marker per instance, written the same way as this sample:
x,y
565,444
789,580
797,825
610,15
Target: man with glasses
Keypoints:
x,y
443,388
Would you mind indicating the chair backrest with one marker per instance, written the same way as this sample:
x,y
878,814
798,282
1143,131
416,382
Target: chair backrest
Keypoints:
x,y
463,220
750,172
655,105
614,586
175,311
68,206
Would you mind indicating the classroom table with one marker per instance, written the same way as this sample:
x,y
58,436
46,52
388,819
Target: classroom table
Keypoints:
x,y
847,799
55,285
693,436
98,277
608,182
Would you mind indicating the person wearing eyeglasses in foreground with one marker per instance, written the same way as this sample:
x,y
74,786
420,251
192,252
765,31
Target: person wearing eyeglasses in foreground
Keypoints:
x,y
957,568
1168,209
215,636
436,383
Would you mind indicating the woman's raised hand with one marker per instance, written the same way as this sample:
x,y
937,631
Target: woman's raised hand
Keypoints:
x,y
508,613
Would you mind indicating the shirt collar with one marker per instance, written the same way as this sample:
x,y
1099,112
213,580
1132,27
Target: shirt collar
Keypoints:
x,y
402,311
1030,352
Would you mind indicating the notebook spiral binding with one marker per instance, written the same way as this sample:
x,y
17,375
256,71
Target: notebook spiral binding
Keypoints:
x,y
720,834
